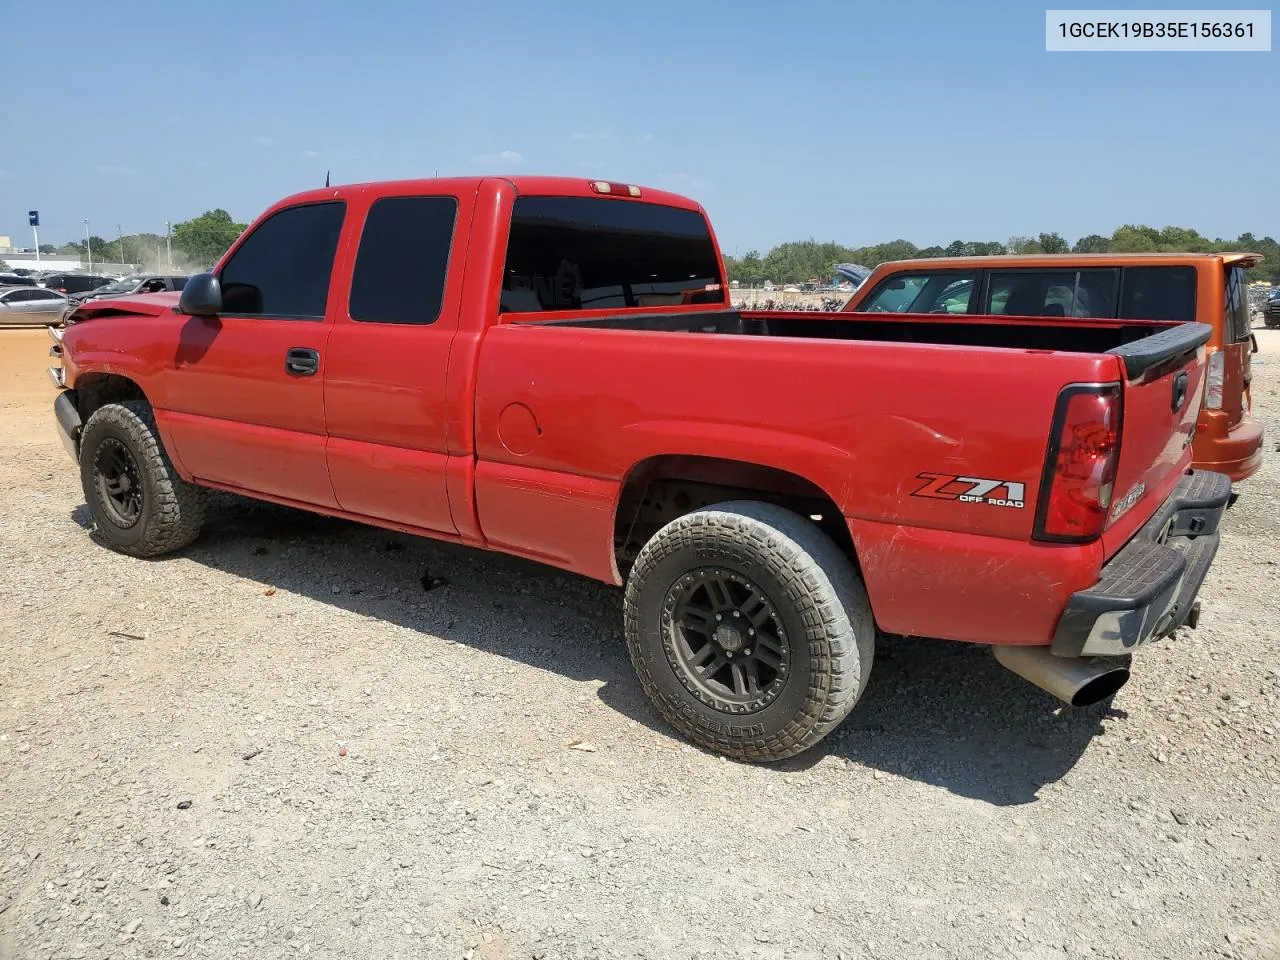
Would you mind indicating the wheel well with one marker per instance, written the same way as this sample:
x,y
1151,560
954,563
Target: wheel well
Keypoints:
x,y
98,389
661,489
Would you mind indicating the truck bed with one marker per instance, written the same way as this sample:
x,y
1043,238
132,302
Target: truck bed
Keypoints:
x,y
1141,344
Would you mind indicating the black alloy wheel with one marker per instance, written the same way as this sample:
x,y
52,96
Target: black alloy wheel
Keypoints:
x,y
119,482
726,640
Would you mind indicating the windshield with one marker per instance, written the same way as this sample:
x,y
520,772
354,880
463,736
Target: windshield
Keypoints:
x,y
118,286
947,291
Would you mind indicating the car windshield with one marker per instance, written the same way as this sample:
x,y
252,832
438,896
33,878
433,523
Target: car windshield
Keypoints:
x,y
118,286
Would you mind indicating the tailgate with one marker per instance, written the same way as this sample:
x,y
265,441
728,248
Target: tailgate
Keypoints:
x,y
1163,390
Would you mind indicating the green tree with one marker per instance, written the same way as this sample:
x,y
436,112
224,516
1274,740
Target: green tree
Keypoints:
x,y
1183,240
72,249
752,267
1135,239
48,248
1053,243
205,238
1093,243
99,247
1024,245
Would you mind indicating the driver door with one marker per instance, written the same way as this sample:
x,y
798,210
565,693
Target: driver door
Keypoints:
x,y
245,389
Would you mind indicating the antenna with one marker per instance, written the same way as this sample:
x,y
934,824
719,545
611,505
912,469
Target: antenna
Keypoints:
x,y
326,178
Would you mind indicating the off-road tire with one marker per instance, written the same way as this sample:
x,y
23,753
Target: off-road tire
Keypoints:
x,y
816,593
172,510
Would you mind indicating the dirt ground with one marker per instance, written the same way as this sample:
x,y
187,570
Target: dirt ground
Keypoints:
x,y
173,784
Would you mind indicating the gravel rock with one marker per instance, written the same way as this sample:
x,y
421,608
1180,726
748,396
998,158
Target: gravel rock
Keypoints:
x,y
958,812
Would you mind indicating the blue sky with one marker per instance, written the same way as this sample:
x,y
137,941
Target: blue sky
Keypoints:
x,y
855,122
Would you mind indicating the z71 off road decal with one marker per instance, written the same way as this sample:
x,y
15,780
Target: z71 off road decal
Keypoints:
x,y
948,486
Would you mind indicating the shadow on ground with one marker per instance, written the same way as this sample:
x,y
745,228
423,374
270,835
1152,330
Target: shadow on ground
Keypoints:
x,y
941,713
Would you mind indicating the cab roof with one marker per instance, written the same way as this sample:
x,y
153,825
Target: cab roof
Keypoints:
x,y
1066,259
524,185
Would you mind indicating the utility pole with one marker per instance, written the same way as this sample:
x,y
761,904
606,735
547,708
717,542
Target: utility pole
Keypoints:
x,y
168,246
120,234
88,248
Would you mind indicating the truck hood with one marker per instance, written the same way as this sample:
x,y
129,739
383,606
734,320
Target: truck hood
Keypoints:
x,y
129,304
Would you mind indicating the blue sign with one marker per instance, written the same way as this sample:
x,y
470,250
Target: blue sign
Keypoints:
x,y
33,217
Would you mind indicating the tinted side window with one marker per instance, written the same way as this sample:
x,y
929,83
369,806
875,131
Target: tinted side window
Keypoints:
x,y
583,253
1158,293
403,260
1239,322
1053,293
942,291
282,269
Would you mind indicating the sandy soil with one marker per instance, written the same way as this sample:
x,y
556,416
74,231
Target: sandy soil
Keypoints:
x,y
172,777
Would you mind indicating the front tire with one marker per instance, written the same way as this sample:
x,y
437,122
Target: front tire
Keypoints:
x,y
139,504
749,630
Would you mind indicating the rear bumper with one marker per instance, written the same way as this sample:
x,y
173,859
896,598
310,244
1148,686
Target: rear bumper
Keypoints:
x,y
68,420
1148,589
1238,453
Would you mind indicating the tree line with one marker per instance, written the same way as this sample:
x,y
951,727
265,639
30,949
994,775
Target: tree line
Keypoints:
x,y
801,260
196,243
200,241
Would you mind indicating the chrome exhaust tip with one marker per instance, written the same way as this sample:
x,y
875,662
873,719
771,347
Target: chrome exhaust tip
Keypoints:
x,y
1077,681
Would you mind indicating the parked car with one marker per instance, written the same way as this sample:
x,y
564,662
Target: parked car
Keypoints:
x,y
142,283
1209,288
71,283
16,280
771,488
29,305
852,273
1271,312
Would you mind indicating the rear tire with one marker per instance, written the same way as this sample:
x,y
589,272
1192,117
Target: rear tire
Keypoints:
x,y
749,630
139,504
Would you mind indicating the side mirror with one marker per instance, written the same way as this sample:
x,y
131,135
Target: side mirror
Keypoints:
x,y
202,296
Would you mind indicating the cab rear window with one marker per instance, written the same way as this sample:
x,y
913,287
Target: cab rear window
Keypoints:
x,y
1158,293
583,253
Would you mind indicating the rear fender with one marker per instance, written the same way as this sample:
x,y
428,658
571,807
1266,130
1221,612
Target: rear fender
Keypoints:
x,y
739,442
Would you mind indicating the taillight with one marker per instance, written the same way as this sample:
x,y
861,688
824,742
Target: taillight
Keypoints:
x,y
1214,380
1080,467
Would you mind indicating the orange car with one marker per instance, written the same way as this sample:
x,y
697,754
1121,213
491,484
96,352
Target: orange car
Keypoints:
x,y
1210,288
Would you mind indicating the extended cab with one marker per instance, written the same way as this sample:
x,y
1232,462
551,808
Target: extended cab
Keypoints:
x,y
550,368
1207,287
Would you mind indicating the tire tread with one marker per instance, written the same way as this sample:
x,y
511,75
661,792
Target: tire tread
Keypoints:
x,y
816,576
177,507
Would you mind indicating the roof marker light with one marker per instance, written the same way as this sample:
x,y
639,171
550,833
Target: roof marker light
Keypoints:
x,y
615,189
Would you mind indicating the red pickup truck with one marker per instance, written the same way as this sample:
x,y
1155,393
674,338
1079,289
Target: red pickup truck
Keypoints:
x,y
551,368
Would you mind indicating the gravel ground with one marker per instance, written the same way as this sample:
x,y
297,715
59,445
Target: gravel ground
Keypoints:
x,y
280,743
